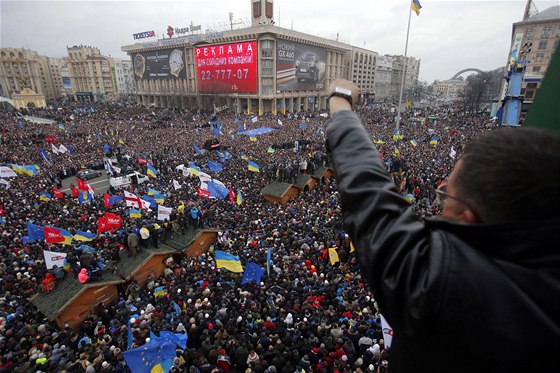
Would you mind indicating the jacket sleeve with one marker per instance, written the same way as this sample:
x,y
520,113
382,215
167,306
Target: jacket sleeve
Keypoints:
x,y
402,263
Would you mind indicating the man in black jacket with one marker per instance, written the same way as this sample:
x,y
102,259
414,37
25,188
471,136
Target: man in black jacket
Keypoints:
x,y
479,288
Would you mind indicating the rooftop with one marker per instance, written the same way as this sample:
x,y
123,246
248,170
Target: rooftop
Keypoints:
x,y
550,14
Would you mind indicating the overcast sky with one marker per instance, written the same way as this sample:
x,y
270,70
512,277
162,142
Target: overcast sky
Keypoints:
x,y
448,36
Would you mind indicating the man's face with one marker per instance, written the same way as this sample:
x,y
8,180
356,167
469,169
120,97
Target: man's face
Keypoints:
x,y
454,209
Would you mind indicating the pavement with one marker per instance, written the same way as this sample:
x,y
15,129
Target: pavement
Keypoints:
x,y
100,184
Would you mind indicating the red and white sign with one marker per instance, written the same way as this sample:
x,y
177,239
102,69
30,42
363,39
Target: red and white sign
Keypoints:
x,y
164,213
227,68
132,200
112,220
202,193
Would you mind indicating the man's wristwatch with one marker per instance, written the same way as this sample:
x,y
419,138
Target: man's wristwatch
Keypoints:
x,y
342,92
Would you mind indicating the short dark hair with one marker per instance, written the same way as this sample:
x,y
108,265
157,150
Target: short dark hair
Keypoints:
x,y
512,175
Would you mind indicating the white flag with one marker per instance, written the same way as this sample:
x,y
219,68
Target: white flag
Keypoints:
x,y
5,182
145,204
176,185
55,149
131,199
203,176
452,153
62,149
163,213
254,119
53,258
387,332
7,172
279,122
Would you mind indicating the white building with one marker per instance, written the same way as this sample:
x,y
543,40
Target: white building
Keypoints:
x,y
383,72
124,76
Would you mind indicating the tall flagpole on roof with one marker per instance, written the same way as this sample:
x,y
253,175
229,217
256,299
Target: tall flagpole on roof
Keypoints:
x,y
399,110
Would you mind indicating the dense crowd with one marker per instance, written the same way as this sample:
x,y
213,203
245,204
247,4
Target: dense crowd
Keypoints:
x,y
305,315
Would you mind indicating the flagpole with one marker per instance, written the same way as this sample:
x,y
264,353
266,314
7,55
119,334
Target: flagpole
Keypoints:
x,y
404,67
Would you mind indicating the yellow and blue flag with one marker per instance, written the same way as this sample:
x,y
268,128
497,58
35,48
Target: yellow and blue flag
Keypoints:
x,y
84,236
151,171
333,255
85,197
159,291
30,170
239,198
160,198
270,150
252,138
434,140
252,166
397,151
194,169
133,213
268,260
414,143
244,157
44,196
228,261
415,5
152,191
253,272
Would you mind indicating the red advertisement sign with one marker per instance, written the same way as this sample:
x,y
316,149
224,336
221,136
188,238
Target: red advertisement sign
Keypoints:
x,y
227,68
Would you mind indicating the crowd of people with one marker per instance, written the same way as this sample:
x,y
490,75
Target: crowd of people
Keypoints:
x,y
306,313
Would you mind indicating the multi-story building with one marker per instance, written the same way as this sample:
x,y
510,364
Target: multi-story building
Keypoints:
x,y
92,76
124,76
534,40
24,68
412,72
262,68
449,89
383,76
363,70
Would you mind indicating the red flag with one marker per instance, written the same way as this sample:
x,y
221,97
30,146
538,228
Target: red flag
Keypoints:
x,y
202,193
231,195
74,191
106,200
58,193
82,185
2,210
102,225
112,220
52,235
142,161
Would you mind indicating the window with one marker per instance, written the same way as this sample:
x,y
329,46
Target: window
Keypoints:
x,y
542,44
556,43
531,85
546,32
257,9
269,9
540,57
530,94
536,69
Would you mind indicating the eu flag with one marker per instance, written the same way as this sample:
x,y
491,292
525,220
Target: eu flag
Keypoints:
x,y
35,232
150,357
253,272
176,338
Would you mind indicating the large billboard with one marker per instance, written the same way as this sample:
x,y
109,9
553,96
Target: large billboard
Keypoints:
x,y
299,66
162,64
227,68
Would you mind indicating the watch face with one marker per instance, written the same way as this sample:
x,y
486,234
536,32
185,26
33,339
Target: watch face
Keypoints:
x,y
343,91
139,65
176,62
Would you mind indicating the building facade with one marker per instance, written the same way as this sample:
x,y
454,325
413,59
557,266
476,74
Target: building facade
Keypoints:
x,y
383,76
536,38
412,72
92,75
124,77
449,89
24,68
258,69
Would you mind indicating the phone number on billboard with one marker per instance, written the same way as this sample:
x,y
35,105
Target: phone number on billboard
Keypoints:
x,y
221,74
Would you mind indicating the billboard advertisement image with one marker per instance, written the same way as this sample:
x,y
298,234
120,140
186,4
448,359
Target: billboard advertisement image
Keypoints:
x,y
299,66
162,64
227,68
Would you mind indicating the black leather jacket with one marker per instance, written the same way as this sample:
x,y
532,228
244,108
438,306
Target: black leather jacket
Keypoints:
x,y
461,298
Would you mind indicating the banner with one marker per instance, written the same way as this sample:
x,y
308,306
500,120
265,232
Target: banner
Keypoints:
x,y
161,64
6,172
164,213
54,259
299,66
227,68
112,220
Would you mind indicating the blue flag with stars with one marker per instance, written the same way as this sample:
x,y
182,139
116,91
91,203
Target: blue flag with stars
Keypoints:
x,y
253,272
150,357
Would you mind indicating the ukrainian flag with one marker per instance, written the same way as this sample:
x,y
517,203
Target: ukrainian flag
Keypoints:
x,y
252,138
397,151
84,236
152,191
244,157
414,143
159,291
253,166
270,150
434,140
194,169
379,141
17,168
30,170
228,261
160,198
333,255
151,171
66,235
44,196
239,198
415,5
121,142
133,213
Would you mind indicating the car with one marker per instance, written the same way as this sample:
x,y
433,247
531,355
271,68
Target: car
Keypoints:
x,y
88,174
307,67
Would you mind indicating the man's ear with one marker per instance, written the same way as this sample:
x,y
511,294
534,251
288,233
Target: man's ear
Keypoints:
x,y
470,217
